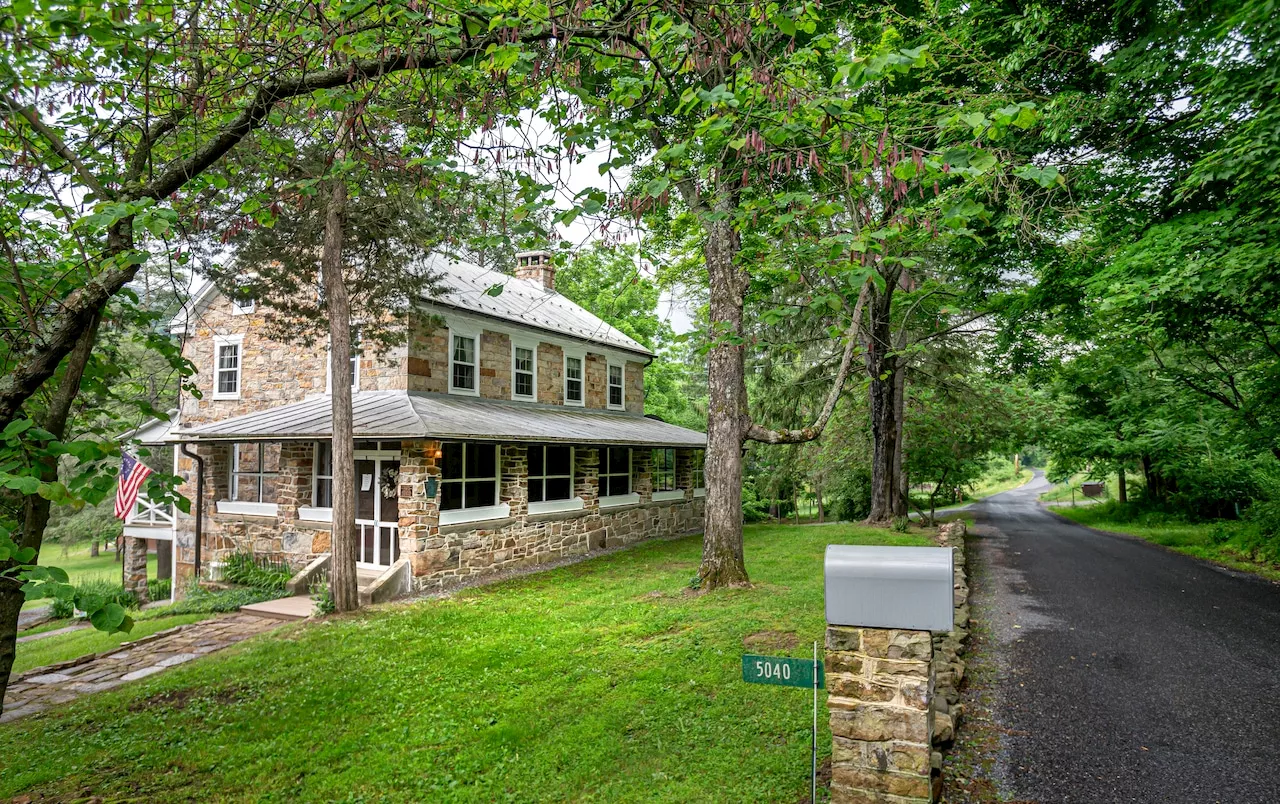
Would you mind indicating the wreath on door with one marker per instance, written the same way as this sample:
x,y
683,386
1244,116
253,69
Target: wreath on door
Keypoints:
x,y
388,481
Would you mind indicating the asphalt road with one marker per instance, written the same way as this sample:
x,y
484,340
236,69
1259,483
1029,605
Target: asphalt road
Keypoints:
x,y
1128,673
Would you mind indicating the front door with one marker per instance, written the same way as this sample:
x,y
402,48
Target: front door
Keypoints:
x,y
377,511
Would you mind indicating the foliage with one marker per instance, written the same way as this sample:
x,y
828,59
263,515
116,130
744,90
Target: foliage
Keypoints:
x,y
91,523
322,596
853,493
257,572
608,642
200,600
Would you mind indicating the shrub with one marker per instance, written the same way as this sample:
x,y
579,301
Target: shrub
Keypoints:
x,y
853,494
753,508
159,589
901,524
62,608
213,601
109,590
257,572
322,596
76,527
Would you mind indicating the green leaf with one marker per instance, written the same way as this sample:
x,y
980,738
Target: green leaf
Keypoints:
x,y
108,618
656,187
494,290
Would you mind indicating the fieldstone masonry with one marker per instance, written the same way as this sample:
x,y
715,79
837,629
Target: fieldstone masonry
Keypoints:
x,y
894,701
878,691
135,569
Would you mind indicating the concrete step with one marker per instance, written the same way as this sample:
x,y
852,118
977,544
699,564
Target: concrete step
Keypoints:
x,y
298,607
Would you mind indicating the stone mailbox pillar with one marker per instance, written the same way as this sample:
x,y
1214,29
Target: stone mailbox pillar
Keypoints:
x,y
878,691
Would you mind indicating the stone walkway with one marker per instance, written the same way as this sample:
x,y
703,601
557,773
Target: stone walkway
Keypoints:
x,y
43,687
54,632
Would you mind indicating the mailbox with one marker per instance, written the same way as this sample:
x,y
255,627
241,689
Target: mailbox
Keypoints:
x,y
890,587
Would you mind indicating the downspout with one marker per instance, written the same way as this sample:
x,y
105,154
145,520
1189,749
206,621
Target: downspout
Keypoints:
x,y
199,501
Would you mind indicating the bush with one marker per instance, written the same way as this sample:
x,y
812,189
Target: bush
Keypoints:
x,y
159,589
109,590
853,494
213,601
753,508
257,573
62,608
77,527
322,596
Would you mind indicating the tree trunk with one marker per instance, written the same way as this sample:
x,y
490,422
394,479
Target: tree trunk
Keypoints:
x,y
822,514
343,582
36,508
899,419
723,563
1123,491
93,547
881,366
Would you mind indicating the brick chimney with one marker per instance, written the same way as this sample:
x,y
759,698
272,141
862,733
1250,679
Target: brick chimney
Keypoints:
x,y
536,265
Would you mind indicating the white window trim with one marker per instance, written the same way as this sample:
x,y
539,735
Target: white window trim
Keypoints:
x,y
247,508
243,309
620,499
556,506
315,476
663,496
461,515
309,514
356,358
701,492
450,516
474,335
220,341
521,344
631,475
609,364
581,357
573,479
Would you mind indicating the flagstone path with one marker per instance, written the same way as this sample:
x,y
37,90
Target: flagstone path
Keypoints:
x,y
43,687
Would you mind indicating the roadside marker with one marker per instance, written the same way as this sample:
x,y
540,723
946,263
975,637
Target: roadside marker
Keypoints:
x,y
784,671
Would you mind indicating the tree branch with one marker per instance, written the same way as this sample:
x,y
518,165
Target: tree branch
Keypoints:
x,y
59,147
755,432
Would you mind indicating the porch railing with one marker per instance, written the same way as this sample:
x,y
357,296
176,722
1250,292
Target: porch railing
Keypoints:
x,y
149,513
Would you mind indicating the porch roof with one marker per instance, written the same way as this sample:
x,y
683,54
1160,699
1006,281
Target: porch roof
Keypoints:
x,y
403,414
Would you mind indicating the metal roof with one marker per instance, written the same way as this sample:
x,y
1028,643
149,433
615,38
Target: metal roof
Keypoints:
x,y
403,414
522,301
464,286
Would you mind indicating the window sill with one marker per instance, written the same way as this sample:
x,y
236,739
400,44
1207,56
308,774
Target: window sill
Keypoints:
x,y
464,515
225,397
617,407
309,514
569,403
247,508
620,499
556,506
664,496
699,492
464,391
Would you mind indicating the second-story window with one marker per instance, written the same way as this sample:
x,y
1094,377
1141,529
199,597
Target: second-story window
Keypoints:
x,y
572,380
462,364
226,375
616,397
522,372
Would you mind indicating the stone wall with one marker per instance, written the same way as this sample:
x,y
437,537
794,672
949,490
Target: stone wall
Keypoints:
x,y
948,666
439,555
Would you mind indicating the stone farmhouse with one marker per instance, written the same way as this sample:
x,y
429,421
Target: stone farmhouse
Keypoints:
x,y
506,430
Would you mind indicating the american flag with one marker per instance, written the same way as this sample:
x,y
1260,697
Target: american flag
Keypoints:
x,y
133,473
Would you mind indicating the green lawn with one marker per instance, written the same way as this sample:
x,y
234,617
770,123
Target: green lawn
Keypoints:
x,y
1193,539
988,486
80,566
62,647
604,681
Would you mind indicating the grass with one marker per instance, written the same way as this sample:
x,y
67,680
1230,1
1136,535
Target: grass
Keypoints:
x,y
81,566
63,647
608,680
1203,540
990,485
1061,492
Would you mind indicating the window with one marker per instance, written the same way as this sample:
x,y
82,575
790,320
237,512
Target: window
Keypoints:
x,y
616,396
550,473
699,469
462,364
615,472
254,472
355,364
572,380
322,490
468,476
664,470
242,306
523,372
226,372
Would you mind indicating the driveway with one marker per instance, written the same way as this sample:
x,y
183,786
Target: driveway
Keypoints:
x,y
1127,673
